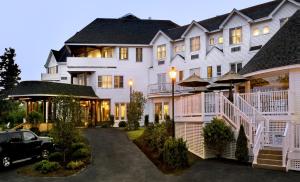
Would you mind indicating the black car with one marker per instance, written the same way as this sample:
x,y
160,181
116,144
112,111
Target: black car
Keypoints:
x,y
17,146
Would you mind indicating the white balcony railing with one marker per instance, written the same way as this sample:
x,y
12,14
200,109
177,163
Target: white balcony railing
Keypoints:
x,y
85,62
50,77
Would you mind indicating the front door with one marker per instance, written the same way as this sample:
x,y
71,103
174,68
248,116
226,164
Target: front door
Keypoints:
x,y
104,110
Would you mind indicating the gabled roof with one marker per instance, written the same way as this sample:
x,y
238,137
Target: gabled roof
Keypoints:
x,y
283,49
60,56
213,24
158,34
194,23
125,30
43,88
233,12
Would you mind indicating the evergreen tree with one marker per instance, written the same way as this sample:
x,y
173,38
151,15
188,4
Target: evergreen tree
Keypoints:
x,y
9,72
242,153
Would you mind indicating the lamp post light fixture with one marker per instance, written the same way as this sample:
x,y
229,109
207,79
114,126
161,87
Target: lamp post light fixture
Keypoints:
x,y
130,83
172,75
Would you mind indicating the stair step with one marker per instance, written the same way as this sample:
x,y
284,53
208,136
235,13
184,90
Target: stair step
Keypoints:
x,y
269,162
270,151
270,156
272,167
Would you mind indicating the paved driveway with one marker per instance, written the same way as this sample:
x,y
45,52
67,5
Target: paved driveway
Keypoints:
x,y
115,158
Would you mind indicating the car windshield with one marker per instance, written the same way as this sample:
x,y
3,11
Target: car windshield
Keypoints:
x,y
28,136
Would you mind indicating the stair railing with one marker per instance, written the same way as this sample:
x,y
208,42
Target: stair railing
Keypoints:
x,y
235,116
286,144
259,140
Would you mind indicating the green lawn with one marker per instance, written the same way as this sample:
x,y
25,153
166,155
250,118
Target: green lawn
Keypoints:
x,y
133,135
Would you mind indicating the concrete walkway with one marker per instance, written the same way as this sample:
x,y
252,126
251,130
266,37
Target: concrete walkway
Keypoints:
x,y
115,158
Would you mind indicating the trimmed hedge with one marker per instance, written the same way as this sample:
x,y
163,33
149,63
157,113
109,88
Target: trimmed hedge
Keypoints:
x,y
175,153
122,124
80,154
46,167
56,157
242,153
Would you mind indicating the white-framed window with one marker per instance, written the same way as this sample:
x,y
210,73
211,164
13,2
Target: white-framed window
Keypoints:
x,y
266,30
236,67
219,70
81,79
161,52
139,54
120,111
211,41
195,71
220,40
123,53
195,44
180,75
105,81
107,52
256,32
235,35
118,82
52,70
209,71
179,48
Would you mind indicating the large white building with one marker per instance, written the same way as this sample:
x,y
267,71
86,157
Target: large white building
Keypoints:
x,y
107,53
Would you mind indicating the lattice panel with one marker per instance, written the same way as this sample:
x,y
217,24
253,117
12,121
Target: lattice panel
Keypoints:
x,y
180,130
295,164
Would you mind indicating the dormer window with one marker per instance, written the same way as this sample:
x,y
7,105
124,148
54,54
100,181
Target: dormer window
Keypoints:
x,y
52,70
220,40
266,30
195,44
235,35
212,41
256,32
161,52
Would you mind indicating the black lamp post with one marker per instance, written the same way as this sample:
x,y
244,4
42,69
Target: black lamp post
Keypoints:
x,y
172,75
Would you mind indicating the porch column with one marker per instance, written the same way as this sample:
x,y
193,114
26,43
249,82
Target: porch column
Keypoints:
x,y
72,79
47,111
44,110
85,78
247,87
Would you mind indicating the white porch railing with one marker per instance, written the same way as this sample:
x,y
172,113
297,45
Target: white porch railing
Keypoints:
x,y
269,103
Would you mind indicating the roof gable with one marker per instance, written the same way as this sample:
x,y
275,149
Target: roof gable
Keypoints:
x,y
283,49
159,33
194,23
234,12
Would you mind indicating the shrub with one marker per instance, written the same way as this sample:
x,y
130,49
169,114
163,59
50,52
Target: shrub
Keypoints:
x,y
242,153
34,117
146,121
122,124
156,119
73,165
169,125
77,146
80,154
217,135
135,110
46,167
56,157
175,153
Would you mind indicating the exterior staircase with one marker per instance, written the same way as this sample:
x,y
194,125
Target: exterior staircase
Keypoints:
x,y
270,158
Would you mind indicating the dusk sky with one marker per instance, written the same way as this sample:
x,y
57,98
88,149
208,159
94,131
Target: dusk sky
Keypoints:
x,y
33,27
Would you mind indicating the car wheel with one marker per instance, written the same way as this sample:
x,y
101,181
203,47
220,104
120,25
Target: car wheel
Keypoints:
x,y
45,154
6,161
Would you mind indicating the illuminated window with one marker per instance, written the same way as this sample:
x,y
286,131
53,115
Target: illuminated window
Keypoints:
x,y
117,111
209,71
166,109
220,40
81,79
211,41
266,30
123,111
256,32
96,53
123,51
236,35
180,75
161,52
195,44
158,110
107,52
118,82
105,81
139,54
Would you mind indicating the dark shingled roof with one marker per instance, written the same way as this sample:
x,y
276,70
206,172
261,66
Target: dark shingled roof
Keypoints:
x,y
282,49
211,24
61,55
125,30
54,89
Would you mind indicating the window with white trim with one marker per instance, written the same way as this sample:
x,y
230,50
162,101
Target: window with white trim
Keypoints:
x,y
219,70
118,82
266,30
209,71
211,41
220,40
195,44
235,35
161,52
123,53
236,67
256,32
105,81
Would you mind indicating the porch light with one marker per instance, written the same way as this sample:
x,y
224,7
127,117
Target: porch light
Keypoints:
x,y
130,82
172,73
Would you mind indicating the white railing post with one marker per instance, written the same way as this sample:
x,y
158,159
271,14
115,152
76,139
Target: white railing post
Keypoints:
x,y
202,104
259,102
